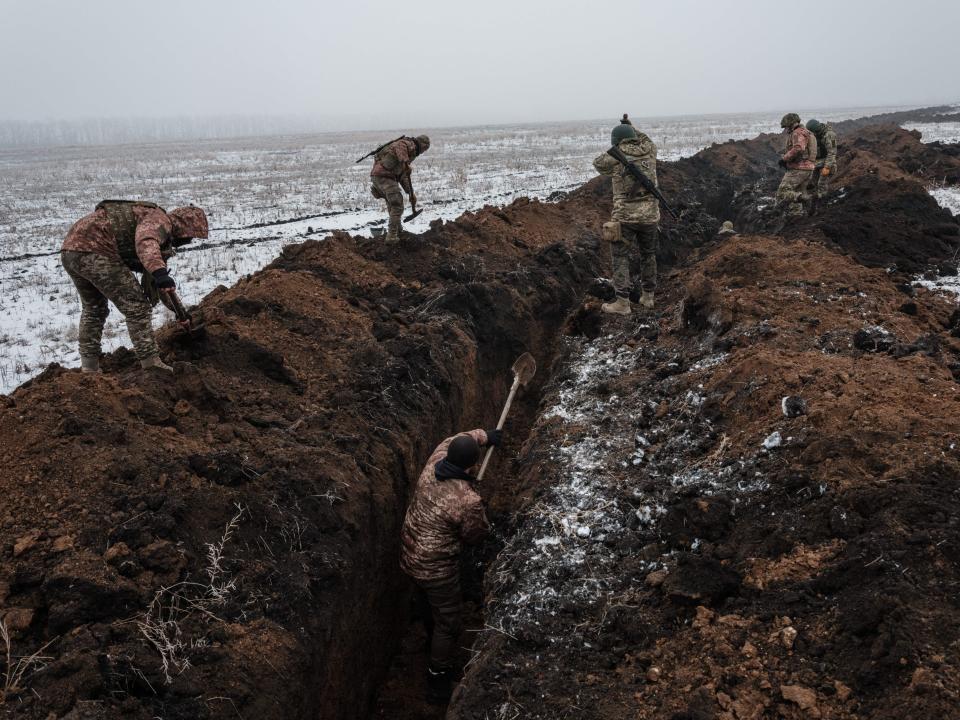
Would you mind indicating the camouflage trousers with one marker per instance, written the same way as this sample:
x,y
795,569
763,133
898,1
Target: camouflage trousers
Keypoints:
x,y
634,237
794,192
389,189
98,279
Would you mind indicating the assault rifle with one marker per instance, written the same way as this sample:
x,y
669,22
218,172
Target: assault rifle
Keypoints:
x,y
638,175
374,152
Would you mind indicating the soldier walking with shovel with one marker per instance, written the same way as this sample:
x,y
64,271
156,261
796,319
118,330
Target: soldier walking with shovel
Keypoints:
x,y
445,512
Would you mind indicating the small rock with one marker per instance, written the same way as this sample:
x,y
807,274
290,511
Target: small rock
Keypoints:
x,y
656,578
802,696
63,543
793,406
116,554
773,440
22,544
704,617
653,674
749,649
843,692
788,636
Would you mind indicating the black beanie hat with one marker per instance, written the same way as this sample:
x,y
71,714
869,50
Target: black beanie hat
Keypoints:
x,y
463,452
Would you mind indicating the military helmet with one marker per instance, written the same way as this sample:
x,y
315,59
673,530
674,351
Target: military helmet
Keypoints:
x,y
621,132
814,126
464,452
189,222
789,120
423,143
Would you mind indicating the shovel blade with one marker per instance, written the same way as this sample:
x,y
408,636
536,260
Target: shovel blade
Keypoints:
x,y
412,215
524,368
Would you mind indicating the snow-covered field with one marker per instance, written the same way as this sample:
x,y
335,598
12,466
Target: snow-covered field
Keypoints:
x,y
262,193
947,132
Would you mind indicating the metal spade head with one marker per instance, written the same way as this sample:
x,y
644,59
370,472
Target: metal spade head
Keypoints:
x,y
524,368
412,215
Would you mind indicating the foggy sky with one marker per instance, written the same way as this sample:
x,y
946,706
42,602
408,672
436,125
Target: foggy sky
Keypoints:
x,y
385,63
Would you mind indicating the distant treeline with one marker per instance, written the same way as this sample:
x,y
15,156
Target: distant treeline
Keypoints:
x,y
111,131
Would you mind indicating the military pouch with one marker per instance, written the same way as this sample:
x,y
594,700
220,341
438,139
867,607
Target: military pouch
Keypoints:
x,y
611,231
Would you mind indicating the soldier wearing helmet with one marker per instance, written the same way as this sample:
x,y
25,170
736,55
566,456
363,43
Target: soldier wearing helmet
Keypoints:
x,y
826,163
798,161
636,214
391,172
100,254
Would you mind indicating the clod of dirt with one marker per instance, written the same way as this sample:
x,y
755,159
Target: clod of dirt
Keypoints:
x,y
700,580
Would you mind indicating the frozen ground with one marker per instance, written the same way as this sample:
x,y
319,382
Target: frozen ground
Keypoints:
x,y
262,193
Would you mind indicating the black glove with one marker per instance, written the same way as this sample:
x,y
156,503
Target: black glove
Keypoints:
x,y
782,163
162,279
494,437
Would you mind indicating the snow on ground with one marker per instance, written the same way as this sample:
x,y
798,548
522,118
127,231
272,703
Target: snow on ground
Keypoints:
x,y
947,132
949,198
609,478
262,193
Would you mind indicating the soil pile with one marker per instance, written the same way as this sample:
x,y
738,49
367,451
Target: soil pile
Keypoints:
x,y
748,507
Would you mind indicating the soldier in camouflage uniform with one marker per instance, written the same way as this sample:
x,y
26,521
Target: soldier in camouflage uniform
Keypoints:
x,y
797,160
391,172
826,163
445,512
636,214
99,253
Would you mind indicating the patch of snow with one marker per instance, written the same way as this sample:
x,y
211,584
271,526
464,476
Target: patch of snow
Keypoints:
x,y
773,440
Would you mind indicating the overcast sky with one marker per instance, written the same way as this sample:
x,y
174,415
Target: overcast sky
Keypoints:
x,y
383,63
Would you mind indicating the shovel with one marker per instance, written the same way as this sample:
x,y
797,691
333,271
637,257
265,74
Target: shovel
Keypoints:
x,y
172,301
412,215
524,368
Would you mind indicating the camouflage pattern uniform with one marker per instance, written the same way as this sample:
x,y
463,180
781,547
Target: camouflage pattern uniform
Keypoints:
x,y
442,515
636,213
100,251
391,172
826,157
794,190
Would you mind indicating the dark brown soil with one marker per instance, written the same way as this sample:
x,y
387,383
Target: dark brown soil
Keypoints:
x,y
325,379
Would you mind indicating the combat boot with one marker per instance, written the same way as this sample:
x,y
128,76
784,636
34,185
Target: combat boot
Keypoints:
x,y
620,306
89,365
646,299
439,686
155,363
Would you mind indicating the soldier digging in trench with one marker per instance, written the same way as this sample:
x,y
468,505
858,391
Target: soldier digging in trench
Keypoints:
x,y
100,254
798,161
445,512
391,172
636,214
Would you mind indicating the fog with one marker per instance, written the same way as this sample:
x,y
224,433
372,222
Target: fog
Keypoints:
x,y
378,64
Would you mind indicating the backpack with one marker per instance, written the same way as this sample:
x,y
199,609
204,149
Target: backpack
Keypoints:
x,y
123,221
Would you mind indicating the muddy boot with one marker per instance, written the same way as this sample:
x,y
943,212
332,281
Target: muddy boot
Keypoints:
x,y
155,363
89,364
620,306
393,231
646,299
439,686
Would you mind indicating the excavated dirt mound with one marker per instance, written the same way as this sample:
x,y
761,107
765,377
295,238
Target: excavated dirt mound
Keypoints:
x,y
719,578
223,543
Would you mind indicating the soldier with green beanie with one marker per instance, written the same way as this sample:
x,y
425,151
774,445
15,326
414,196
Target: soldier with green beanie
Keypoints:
x,y
636,214
797,160
826,162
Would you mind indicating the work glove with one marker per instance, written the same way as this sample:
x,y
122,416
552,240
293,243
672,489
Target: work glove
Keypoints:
x,y
825,171
162,279
494,438
782,163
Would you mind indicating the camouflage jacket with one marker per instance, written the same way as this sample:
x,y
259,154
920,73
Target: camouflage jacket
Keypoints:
x,y
96,233
631,202
801,149
442,515
394,161
827,147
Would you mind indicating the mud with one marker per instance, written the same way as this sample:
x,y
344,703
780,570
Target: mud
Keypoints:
x,y
244,514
